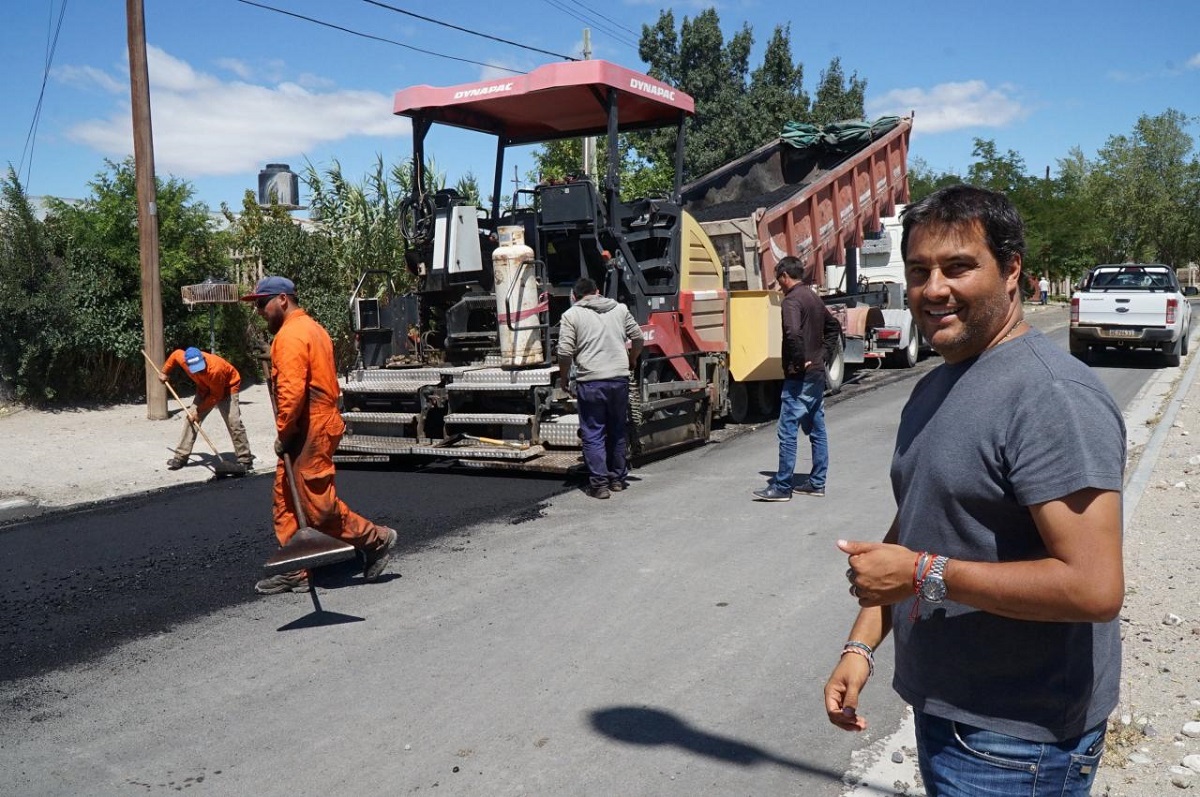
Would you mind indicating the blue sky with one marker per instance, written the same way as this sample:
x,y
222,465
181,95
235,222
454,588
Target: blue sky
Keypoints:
x,y
235,86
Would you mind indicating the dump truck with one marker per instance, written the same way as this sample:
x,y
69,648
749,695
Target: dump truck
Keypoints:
x,y
463,367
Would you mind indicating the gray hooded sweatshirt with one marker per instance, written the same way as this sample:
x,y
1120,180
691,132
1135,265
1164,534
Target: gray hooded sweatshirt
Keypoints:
x,y
594,333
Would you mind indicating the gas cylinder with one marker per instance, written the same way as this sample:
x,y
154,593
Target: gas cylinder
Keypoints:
x,y
517,300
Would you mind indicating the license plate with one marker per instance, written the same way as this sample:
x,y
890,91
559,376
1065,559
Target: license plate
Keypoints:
x,y
1122,333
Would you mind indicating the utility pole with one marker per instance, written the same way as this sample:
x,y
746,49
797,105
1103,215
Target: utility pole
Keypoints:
x,y
589,143
143,160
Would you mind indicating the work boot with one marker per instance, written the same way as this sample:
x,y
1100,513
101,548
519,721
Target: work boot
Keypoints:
x,y
599,492
247,463
376,561
616,487
175,463
295,581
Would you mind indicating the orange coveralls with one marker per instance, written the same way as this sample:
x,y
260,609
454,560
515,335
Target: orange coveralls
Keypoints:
x,y
307,420
216,386
219,379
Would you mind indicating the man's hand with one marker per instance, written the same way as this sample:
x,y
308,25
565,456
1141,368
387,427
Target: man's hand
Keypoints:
x,y
162,377
880,573
842,692
285,447
193,417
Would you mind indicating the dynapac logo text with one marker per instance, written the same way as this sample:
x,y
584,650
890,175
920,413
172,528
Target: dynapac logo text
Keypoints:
x,y
495,88
650,88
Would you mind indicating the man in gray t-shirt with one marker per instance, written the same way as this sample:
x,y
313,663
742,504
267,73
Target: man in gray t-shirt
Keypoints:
x,y
1001,574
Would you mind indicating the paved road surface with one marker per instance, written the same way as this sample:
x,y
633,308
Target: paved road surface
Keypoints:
x,y
672,640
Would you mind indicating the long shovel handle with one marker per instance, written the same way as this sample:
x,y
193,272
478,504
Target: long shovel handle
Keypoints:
x,y
186,412
291,479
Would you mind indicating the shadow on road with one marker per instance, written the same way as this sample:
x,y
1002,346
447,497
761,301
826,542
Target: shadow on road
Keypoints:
x,y
652,727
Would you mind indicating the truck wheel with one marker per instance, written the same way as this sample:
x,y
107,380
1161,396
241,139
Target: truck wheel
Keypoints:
x,y
739,402
1082,351
835,369
1174,354
907,357
766,399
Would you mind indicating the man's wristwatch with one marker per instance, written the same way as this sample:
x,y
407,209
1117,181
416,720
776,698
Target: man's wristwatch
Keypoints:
x,y
933,586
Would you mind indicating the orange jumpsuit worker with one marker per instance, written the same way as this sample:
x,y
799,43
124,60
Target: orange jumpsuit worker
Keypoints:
x,y
217,385
309,427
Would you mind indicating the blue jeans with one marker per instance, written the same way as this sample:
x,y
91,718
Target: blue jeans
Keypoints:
x,y
802,409
959,760
603,407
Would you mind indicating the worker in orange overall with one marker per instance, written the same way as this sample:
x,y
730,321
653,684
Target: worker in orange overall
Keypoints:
x,y
309,427
217,385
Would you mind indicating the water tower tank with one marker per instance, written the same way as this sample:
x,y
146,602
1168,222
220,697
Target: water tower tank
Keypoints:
x,y
278,179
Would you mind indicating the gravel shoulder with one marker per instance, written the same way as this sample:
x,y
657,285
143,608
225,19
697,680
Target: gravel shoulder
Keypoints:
x,y
1150,737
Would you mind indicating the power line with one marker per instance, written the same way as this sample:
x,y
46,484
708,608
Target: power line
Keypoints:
x,y
620,39
468,30
31,136
595,13
378,38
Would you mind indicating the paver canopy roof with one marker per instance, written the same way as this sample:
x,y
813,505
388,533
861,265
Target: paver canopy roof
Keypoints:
x,y
560,100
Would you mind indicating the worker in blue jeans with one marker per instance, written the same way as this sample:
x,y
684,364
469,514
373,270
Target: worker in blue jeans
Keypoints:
x,y
1001,577
808,329
600,337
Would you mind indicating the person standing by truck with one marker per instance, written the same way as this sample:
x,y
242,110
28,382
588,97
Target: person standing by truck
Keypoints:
x,y
309,426
808,330
217,385
600,337
1001,575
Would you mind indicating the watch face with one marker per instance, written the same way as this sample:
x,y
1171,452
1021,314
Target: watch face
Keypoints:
x,y
933,589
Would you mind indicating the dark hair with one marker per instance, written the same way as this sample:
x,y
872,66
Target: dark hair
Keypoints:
x,y
583,287
960,205
793,267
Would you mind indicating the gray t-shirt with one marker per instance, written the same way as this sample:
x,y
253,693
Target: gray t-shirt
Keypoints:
x,y
978,443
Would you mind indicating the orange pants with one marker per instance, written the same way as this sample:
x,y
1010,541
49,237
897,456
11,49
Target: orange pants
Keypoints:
x,y
323,510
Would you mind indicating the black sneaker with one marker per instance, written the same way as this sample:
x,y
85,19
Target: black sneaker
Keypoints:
x,y
377,560
296,581
808,489
175,463
771,494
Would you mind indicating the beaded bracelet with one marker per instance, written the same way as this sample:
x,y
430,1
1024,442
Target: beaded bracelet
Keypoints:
x,y
864,650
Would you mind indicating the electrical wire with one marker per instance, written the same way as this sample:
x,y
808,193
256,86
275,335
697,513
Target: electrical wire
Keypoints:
x,y
468,30
377,38
596,13
31,136
592,22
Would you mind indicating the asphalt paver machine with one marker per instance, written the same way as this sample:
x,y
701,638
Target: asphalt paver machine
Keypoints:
x,y
464,367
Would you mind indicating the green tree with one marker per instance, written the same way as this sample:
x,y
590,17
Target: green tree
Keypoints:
x,y
1146,189
923,180
35,300
838,97
97,240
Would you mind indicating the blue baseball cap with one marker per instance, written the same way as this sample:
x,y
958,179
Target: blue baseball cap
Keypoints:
x,y
194,359
271,286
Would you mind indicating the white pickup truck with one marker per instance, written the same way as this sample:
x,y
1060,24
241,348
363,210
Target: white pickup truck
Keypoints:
x,y
1131,306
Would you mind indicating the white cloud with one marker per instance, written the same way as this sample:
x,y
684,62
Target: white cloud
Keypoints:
x,y
952,106
207,126
1194,62
237,66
